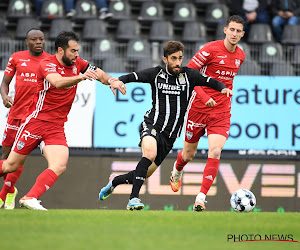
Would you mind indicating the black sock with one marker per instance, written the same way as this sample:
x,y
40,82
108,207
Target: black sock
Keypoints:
x,y
123,179
139,176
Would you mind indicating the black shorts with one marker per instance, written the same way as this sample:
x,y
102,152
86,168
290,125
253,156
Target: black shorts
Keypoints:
x,y
164,143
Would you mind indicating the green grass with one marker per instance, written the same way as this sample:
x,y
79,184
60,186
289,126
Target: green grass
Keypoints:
x,y
114,229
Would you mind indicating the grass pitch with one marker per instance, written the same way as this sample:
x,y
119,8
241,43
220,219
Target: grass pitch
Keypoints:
x,y
115,229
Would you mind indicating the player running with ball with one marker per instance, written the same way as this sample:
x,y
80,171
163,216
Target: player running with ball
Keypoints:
x,y
208,110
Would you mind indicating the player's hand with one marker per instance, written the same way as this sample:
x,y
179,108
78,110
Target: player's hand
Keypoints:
x,y
227,92
90,75
119,85
8,102
210,103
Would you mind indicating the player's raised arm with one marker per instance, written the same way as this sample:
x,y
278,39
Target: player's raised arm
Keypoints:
x,y
4,89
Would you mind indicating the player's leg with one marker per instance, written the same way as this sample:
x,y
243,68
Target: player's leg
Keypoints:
x,y
9,165
194,128
216,143
149,149
9,192
57,157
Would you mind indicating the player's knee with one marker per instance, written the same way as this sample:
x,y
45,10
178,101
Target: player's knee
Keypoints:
x,y
188,155
10,167
150,155
215,153
58,169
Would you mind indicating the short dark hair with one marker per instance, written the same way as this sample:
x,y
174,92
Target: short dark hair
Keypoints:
x,y
237,19
63,38
172,47
31,30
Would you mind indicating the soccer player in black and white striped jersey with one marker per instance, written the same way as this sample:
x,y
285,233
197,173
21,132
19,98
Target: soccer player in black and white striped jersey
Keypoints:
x,y
171,87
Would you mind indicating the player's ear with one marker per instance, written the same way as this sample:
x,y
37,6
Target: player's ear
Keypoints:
x,y
165,59
60,50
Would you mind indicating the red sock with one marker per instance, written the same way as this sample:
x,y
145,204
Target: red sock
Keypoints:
x,y
9,184
180,163
1,172
43,182
210,173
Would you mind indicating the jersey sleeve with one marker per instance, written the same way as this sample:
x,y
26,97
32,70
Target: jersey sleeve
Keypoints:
x,y
10,69
84,65
201,58
201,80
146,76
202,95
47,67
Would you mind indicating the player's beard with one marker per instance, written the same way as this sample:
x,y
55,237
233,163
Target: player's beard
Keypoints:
x,y
172,71
66,60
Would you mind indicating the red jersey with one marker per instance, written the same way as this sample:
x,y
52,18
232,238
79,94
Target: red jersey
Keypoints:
x,y
49,103
25,67
216,61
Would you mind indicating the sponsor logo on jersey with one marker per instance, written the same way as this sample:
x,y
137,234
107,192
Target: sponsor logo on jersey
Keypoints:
x,y
28,75
62,72
225,73
20,145
205,53
189,135
24,64
222,62
222,56
237,63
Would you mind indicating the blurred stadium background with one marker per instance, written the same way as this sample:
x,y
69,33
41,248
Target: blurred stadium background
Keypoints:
x,y
263,151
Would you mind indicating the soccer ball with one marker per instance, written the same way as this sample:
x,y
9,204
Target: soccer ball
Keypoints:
x,y
243,200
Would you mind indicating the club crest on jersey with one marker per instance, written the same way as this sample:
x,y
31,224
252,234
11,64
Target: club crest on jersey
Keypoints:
x,y
153,132
74,70
181,79
237,63
162,75
189,135
20,145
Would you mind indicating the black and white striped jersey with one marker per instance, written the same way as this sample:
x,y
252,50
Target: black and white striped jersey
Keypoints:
x,y
170,95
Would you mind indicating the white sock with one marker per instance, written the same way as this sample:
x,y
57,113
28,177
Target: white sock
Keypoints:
x,y
201,196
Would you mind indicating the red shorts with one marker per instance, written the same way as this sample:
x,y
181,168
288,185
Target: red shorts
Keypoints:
x,y
196,123
34,132
11,128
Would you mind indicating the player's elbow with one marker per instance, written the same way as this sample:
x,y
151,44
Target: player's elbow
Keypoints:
x,y
57,84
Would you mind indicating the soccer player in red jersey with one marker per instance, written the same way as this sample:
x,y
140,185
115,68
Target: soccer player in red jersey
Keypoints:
x,y
57,80
208,109
24,65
